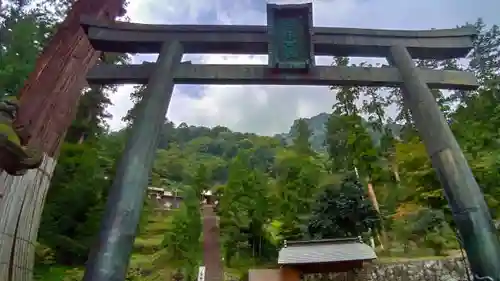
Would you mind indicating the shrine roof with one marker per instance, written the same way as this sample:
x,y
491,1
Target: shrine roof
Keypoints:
x,y
325,251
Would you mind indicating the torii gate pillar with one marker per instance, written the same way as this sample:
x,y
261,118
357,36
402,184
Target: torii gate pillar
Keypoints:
x,y
109,260
466,200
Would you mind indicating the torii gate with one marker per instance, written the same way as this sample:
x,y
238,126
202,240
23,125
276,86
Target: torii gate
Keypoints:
x,y
291,42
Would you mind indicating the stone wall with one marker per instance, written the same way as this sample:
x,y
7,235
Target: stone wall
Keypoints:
x,y
426,270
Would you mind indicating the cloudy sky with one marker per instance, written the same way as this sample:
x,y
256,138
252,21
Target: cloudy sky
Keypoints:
x,y
272,109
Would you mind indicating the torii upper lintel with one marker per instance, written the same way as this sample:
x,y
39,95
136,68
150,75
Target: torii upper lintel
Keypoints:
x,y
124,37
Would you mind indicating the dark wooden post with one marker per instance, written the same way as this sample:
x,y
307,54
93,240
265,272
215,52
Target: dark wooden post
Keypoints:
x,y
48,102
464,196
109,260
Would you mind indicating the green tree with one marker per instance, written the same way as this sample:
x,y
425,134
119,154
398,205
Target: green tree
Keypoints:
x,y
201,180
297,181
418,176
429,228
23,33
342,211
136,97
485,57
90,120
244,210
301,142
346,96
181,243
74,203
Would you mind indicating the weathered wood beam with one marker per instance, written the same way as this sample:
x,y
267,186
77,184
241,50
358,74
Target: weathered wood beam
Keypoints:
x,y
233,39
261,75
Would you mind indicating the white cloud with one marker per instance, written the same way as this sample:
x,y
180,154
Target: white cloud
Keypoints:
x,y
266,109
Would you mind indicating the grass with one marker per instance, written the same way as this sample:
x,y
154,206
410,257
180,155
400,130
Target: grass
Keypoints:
x,y
151,236
148,245
149,241
396,255
145,245
155,226
57,273
408,259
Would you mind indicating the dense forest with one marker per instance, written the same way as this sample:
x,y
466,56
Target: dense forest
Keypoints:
x,y
354,171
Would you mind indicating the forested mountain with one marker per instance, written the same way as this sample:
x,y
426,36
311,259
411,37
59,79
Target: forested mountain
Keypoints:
x,y
298,185
318,127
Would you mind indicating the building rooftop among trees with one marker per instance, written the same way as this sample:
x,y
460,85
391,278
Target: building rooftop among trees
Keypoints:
x,y
298,258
